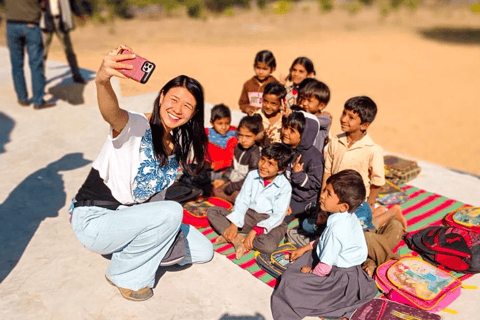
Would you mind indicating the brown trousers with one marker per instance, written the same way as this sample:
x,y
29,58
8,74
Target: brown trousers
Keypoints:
x,y
266,243
381,242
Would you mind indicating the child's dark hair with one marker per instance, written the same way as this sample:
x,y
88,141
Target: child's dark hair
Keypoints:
x,y
304,62
280,152
304,82
363,106
275,88
266,56
316,88
220,111
253,123
349,188
295,120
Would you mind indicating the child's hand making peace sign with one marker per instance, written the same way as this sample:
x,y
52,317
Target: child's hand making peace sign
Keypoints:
x,y
297,166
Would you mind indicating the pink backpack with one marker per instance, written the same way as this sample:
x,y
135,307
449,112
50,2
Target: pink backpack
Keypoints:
x,y
417,283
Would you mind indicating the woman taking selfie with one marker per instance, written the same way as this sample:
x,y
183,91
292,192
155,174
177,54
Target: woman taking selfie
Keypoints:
x,y
117,211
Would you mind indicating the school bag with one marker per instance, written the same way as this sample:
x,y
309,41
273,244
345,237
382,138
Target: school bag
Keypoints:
x,y
383,309
417,283
454,248
465,217
277,262
195,212
391,194
399,170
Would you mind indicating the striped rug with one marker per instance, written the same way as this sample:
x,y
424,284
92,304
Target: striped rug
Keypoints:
x,y
421,209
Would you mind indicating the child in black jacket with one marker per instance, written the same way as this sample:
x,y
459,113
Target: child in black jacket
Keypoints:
x,y
305,173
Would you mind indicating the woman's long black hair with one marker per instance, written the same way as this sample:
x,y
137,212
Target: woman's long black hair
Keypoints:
x,y
190,140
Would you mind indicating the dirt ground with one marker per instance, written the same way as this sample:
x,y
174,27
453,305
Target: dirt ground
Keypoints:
x,y
421,68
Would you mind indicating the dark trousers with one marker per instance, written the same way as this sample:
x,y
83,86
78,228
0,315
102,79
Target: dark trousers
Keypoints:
x,y
266,243
66,42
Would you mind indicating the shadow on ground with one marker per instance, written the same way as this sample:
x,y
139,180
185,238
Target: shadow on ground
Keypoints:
x,y
39,196
467,36
6,127
68,90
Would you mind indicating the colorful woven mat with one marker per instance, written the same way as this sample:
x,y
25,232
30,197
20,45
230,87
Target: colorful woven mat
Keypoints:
x,y
421,209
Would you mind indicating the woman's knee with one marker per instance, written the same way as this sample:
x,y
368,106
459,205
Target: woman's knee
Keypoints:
x,y
200,247
166,212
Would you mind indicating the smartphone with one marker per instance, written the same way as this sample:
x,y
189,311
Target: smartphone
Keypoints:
x,y
142,68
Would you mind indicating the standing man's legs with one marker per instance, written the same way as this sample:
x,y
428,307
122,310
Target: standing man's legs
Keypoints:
x,y
16,44
34,43
66,42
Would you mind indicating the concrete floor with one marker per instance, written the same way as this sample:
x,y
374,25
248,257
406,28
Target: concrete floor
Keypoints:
x,y
46,272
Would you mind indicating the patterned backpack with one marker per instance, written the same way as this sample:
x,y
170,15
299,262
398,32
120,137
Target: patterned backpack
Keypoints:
x,y
195,212
391,194
383,309
454,248
277,262
465,217
399,170
417,283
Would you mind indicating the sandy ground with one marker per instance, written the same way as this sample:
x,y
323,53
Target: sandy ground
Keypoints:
x,y
421,68
45,273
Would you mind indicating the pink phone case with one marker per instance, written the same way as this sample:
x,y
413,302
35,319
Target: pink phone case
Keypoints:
x,y
142,68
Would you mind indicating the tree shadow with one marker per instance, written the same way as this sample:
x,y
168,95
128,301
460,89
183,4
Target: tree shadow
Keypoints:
x,y
466,36
6,127
39,196
256,316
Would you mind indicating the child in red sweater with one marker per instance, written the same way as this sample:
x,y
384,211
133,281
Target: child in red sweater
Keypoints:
x,y
222,138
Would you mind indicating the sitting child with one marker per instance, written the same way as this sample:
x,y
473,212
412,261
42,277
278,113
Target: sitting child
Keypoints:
x,y
222,138
271,113
260,206
313,97
305,172
380,241
251,98
329,281
354,149
246,156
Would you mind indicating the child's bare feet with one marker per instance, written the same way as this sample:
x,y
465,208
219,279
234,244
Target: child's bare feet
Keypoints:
x,y
239,251
369,267
239,246
220,240
398,214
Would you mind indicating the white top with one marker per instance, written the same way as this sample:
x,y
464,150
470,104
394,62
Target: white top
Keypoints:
x,y
342,243
128,166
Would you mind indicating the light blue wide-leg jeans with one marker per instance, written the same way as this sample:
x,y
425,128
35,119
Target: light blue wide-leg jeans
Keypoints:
x,y
138,237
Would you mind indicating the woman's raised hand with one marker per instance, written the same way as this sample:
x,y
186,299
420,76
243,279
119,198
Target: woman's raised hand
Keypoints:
x,y
111,64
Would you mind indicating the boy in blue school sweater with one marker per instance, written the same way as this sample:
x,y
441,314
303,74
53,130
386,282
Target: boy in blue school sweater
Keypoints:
x,y
260,207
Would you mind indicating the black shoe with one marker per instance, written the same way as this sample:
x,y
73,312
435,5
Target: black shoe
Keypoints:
x,y
44,105
24,103
79,79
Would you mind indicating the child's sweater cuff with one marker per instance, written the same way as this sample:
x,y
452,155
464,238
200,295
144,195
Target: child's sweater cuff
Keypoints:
x,y
259,230
321,269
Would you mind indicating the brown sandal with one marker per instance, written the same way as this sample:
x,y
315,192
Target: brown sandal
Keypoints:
x,y
138,295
